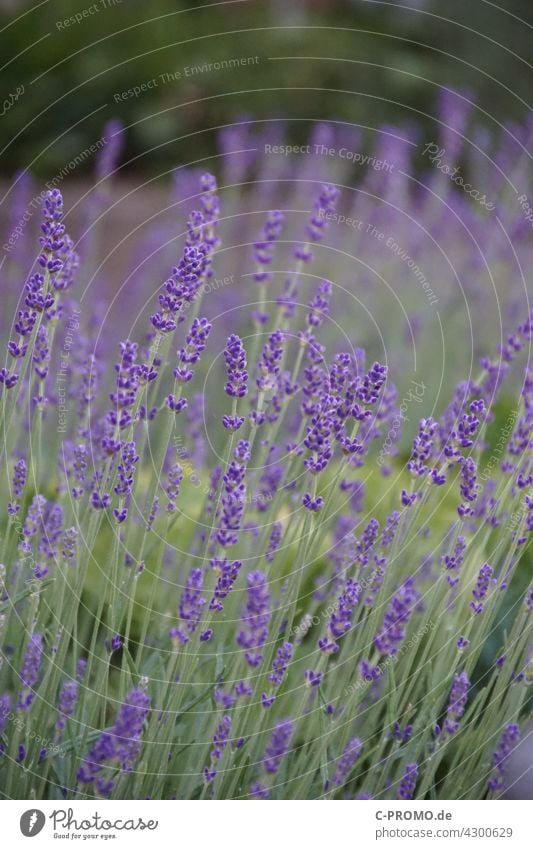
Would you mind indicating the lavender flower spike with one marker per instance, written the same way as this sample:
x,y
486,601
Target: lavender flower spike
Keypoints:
x,y
408,782
29,674
278,746
119,747
457,702
508,740
346,762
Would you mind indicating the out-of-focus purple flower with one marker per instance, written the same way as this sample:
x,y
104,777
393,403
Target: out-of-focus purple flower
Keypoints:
x,y
274,541
457,702
264,248
191,605
269,363
323,207
347,761
255,618
109,156
340,620
319,305
173,484
396,618
454,560
481,588
278,746
508,741
469,486
29,673
117,748
408,783
19,482
68,697
280,664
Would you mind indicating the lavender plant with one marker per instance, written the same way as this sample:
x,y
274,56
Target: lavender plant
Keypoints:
x,y
244,602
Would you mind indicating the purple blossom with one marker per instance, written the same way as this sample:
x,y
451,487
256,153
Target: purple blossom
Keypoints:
x,y
264,247
190,355
278,746
396,618
408,783
457,702
191,605
347,761
340,621
255,618
29,673
507,744
481,588
235,359
53,231
453,561
280,664
117,748
274,541
228,572
323,207
269,363
68,697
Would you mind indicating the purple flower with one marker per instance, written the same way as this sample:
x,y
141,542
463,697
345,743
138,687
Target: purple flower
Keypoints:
x,y
347,761
423,447
53,231
274,541
454,561
508,741
220,738
19,482
264,248
396,618
233,503
312,678
481,588
313,504
278,746
269,363
280,664
235,359
340,620
190,355
173,484
255,618
191,605
117,748
227,575
408,782
319,305
68,697
126,469
323,207
29,673
457,702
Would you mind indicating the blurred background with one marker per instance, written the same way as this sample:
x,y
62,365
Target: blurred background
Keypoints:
x,y
369,61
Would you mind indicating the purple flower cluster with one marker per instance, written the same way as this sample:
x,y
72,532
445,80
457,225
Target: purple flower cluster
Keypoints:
x,y
30,671
346,762
507,744
191,605
408,783
255,618
117,748
340,620
278,746
457,702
